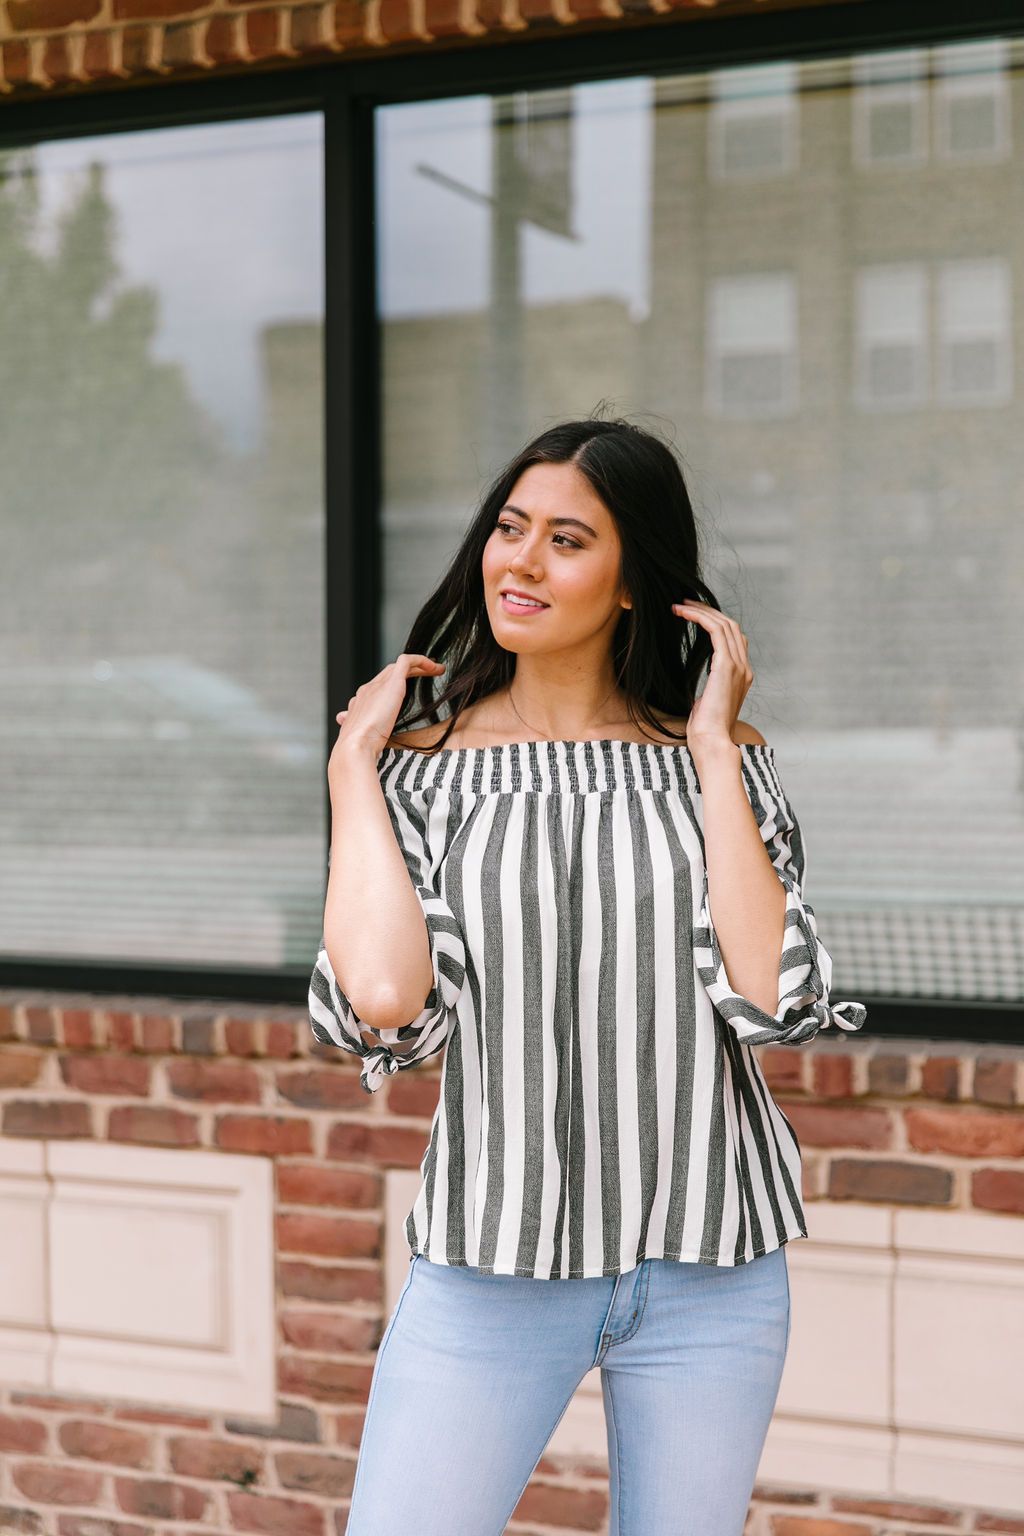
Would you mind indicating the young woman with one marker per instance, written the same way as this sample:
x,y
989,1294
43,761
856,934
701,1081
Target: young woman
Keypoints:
x,y
588,885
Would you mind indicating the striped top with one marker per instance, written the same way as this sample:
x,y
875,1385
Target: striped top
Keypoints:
x,y
600,1102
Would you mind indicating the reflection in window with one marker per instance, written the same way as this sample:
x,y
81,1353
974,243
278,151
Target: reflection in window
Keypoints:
x,y
753,121
890,108
752,345
161,699
891,323
868,538
972,100
975,332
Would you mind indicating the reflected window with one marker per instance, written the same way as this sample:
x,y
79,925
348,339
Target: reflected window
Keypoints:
x,y
890,108
753,122
891,325
975,332
972,100
752,345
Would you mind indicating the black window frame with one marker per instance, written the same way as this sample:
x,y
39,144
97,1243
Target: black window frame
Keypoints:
x,y
348,91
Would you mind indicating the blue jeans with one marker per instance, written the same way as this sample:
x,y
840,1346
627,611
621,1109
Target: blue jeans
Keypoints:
x,y
475,1371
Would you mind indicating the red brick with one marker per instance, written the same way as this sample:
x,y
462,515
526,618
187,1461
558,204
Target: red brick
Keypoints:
x,y
392,1146
995,1080
444,18
321,1088
20,1069
965,1132
56,61
395,21
261,33
107,1074
328,1381
827,1125
56,1485
140,10
329,1476
812,1525
215,1460
783,1066
349,23
159,1499
266,1134
46,15
156,1034
940,1077
117,1030
155,1126
314,1184
890,1182
20,1434
8,1026
581,1509
329,1282
832,1076
224,1082
888,1075
335,1237
35,1117
16,62
78,1024
274,1516
94,1440
97,63
998,1189
897,1509
331,1333
282,1040
222,45
413,1093
241,1036
41,1025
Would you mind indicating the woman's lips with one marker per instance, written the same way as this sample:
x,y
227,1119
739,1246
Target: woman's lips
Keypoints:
x,y
520,609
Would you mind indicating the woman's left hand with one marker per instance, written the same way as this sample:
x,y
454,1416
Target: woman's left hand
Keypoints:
x,y
715,712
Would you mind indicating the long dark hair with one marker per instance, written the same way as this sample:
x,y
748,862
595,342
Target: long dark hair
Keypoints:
x,y
658,656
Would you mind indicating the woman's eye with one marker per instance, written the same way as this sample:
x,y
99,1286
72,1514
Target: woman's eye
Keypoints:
x,y
567,542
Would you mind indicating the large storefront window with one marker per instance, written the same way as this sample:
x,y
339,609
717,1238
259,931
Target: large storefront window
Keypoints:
x,y
161,690
804,273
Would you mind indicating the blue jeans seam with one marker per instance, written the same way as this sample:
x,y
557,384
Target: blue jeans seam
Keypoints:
x,y
638,1314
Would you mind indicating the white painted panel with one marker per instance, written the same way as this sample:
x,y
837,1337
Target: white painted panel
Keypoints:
x,y
989,1473
162,1276
838,1366
959,1327
23,1195
809,1453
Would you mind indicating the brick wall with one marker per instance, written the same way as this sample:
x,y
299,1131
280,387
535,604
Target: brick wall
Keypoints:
x,y
906,1123
58,46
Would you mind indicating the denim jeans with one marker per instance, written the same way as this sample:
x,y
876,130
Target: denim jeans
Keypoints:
x,y
475,1371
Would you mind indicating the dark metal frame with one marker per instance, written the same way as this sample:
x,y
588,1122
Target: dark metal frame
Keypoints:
x,y
348,91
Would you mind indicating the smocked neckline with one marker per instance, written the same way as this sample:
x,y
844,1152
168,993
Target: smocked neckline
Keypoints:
x,y
583,766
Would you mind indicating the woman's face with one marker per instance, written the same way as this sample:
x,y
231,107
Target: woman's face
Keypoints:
x,y
554,541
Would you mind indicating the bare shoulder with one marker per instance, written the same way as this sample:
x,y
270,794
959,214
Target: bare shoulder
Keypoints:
x,y
422,739
747,735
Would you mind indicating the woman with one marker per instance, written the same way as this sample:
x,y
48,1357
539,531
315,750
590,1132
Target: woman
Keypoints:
x,y
594,878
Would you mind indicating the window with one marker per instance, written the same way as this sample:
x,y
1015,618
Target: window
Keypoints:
x,y
161,693
819,348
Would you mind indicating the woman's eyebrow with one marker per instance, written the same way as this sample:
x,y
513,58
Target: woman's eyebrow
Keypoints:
x,y
554,522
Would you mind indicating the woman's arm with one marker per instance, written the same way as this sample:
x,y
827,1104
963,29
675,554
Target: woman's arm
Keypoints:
x,y
375,932
744,890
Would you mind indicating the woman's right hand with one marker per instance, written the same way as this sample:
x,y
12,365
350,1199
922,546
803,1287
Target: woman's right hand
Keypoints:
x,y
373,708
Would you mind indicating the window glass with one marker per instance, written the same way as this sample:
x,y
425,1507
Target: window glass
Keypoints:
x,y
161,689
832,357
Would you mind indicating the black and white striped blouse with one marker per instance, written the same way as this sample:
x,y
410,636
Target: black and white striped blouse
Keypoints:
x,y
600,1102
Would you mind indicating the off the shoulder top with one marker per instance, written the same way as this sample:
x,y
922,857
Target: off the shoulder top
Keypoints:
x,y
600,1102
